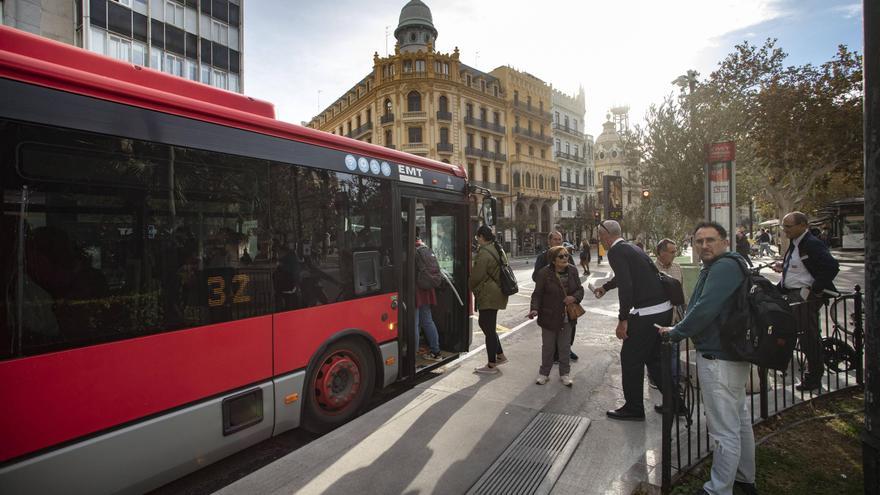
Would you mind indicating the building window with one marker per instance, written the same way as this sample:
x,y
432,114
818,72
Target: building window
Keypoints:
x,y
127,3
471,173
497,146
569,203
156,57
387,107
220,32
414,102
469,110
516,179
219,79
139,55
468,79
388,140
415,135
568,175
484,144
531,151
528,179
444,135
629,197
485,171
119,48
420,66
517,148
529,101
444,104
191,69
543,153
482,85
515,96
497,117
495,90
540,182
567,148
541,106
470,140
497,175
575,125
483,114
556,117
174,14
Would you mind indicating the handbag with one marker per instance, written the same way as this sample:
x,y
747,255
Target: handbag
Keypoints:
x,y
671,287
573,310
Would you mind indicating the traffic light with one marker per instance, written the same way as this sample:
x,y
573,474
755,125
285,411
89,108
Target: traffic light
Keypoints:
x,y
646,193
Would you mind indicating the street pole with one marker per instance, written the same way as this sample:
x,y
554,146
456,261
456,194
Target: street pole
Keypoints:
x,y
871,434
751,216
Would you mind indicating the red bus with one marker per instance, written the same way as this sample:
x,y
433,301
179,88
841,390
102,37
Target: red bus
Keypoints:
x,y
184,276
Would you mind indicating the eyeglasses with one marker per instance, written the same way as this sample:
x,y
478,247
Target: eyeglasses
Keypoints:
x,y
562,257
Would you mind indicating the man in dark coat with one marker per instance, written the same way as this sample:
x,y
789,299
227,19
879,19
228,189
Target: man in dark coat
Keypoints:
x,y
808,269
643,303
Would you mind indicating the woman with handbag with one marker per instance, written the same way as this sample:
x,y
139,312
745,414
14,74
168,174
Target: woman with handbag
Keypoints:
x,y
556,302
484,282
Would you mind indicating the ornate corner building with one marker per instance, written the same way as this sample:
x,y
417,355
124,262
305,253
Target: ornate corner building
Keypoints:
x,y
611,159
497,124
573,151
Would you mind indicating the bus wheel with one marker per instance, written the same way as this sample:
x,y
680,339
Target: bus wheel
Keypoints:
x,y
338,386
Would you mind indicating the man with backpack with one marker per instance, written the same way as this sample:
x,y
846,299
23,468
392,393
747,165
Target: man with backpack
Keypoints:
x,y
428,278
723,375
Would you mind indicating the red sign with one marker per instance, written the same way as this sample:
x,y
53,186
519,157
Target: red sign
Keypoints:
x,y
721,152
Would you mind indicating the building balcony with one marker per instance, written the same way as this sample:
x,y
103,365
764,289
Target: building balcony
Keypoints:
x,y
492,186
532,110
447,116
483,124
414,75
445,148
360,131
573,185
541,138
390,146
568,130
475,152
570,157
499,157
414,115
414,147
387,119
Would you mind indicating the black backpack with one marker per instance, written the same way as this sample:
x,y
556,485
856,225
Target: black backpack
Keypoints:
x,y
760,328
427,269
507,280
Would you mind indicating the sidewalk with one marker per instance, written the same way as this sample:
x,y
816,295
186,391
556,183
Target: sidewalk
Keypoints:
x,y
441,436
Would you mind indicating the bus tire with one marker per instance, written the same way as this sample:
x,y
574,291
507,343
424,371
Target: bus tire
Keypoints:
x,y
339,385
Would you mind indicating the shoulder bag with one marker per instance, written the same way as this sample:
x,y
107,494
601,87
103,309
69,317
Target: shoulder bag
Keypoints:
x,y
573,310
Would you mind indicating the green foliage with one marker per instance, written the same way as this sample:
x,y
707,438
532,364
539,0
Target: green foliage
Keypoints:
x,y
798,132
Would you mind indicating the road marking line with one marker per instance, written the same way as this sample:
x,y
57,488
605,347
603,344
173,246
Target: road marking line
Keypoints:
x,y
603,312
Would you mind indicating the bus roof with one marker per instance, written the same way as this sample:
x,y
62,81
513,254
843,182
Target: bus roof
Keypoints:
x,y
30,58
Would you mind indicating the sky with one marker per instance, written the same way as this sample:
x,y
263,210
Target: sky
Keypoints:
x,y
302,55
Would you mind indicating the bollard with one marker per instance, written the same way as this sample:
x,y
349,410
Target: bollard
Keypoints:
x,y
669,408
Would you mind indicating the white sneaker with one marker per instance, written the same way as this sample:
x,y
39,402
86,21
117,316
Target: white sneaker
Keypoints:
x,y
566,380
542,379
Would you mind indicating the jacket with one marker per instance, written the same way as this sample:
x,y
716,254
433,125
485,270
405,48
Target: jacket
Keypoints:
x,y
548,296
819,262
484,280
635,279
710,305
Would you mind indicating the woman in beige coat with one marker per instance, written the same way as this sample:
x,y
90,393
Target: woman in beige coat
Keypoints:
x,y
484,283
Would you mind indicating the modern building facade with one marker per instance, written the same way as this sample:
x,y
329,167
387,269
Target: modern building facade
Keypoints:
x,y
201,40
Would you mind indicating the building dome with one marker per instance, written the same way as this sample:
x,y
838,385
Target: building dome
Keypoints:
x,y
609,134
415,30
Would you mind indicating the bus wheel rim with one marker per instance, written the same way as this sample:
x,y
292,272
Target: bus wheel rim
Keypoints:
x,y
337,382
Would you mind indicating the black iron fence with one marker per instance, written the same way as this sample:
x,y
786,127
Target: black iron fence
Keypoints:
x,y
685,437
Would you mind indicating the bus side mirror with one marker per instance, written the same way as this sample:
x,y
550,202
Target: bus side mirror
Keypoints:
x,y
489,215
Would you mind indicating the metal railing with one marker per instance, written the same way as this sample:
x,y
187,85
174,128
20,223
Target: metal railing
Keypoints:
x,y
445,147
360,130
569,156
387,119
543,138
525,107
570,130
444,115
484,124
685,438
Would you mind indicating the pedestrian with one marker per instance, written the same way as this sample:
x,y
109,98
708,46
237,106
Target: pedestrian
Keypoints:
x,y
643,303
808,269
666,251
558,285
425,298
743,247
585,256
600,252
723,376
764,244
484,283
554,239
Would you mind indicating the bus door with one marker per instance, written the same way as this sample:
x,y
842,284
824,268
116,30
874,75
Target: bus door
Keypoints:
x,y
442,226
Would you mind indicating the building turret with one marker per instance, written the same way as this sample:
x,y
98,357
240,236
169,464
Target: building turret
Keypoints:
x,y
415,31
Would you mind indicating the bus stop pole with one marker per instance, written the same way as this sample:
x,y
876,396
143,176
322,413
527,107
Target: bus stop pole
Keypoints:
x,y
871,68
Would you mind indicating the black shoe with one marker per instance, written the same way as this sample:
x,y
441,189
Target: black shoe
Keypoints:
x,y
573,356
747,488
623,414
807,386
682,409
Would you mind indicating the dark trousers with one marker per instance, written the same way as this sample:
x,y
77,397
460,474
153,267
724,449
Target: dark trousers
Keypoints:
x,y
488,319
641,349
807,316
574,325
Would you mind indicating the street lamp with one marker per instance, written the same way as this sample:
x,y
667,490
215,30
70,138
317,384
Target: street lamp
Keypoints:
x,y
646,194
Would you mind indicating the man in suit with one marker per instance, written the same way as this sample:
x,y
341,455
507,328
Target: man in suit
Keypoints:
x,y
643,303
807,270
554,239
